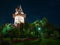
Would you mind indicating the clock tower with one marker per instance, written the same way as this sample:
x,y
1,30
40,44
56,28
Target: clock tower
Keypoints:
x,y
19,16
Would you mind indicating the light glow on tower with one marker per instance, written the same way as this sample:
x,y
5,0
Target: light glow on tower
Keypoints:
x,y
19,19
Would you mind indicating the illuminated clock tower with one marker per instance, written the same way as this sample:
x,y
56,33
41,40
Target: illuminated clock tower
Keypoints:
x,y
19,16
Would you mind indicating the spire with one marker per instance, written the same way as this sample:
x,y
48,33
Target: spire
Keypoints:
x,y
19,10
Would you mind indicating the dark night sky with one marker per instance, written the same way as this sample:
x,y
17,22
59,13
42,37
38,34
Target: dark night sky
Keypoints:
x,y
35,9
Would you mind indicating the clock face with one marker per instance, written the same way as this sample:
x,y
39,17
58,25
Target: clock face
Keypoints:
x,y
16,12
19,19
22,13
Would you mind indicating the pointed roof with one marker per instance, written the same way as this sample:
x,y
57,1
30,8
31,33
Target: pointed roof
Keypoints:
x,y
19,9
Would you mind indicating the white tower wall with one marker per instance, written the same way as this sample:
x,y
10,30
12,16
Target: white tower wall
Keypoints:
x,y
18,19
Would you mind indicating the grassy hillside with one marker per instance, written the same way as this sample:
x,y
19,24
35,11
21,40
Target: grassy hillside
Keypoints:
x,y
44,32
